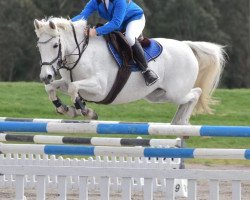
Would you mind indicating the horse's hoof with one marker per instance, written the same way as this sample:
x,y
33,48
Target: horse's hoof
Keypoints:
x,y
90,114
72,112
62,109
95,116
58,112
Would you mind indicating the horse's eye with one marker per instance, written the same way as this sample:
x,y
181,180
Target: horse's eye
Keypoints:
x,y
55,46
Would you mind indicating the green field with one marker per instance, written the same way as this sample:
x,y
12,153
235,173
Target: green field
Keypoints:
x,y
30,100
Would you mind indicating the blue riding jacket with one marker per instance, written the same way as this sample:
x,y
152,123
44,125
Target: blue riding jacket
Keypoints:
x,y
118,14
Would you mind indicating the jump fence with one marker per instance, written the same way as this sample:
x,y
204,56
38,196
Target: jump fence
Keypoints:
x,y
149,169
10,162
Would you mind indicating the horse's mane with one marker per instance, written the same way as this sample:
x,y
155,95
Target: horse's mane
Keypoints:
x,y
61,24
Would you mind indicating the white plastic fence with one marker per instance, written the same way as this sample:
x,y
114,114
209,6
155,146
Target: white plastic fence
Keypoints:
x,y
10,163
63,176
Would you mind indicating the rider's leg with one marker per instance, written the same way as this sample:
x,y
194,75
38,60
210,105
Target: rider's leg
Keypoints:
x,y
133,31
149,76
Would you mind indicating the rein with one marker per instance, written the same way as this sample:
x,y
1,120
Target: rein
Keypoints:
x,y
63,63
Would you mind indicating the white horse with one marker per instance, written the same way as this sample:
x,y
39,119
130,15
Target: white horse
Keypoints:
x,y
189,71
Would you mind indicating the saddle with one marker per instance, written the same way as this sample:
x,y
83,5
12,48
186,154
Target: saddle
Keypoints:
x,y
118,41
121,46
123,55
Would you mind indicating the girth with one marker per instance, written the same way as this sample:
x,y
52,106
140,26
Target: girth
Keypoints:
x,y
119,42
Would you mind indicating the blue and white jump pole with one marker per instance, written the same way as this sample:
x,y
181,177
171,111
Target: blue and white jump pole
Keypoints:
x,y
97,127
242,154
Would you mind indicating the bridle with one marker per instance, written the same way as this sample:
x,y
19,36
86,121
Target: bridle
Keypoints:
x,y
58,58
62,63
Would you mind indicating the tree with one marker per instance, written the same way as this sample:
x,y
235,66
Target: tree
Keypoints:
x,y
185,20
155,17
235,21
17,40
221,21
19,58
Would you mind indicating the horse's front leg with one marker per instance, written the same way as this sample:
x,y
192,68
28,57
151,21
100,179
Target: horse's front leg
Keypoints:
x,y
61,108
89,85
51,90
81,108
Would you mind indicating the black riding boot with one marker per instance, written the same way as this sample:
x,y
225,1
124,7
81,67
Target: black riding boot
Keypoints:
x,y
149,76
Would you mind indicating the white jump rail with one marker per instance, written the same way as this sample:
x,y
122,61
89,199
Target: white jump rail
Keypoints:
x,y
95,141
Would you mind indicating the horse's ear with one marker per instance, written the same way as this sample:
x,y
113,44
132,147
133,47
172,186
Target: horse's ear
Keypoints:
x,y
36,24
52,25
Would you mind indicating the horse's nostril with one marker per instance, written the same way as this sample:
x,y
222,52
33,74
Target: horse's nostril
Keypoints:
x,y
49,77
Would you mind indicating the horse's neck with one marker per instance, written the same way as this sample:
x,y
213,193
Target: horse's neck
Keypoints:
x,y
70,40
96,50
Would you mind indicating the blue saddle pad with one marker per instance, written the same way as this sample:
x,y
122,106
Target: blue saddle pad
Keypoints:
x,y
151,52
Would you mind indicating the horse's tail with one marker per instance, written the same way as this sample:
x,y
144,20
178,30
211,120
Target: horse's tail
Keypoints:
x,y
211,59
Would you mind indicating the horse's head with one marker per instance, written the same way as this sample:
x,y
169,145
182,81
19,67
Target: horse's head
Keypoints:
x,y
50,47
59,43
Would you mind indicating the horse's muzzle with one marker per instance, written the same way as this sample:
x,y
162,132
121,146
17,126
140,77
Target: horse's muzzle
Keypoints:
x,y
47,80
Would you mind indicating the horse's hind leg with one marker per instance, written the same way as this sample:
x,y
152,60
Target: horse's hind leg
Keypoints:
x,y
186,107
184,112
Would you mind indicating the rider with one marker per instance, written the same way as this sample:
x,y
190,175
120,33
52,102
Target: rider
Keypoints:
x,y
121,14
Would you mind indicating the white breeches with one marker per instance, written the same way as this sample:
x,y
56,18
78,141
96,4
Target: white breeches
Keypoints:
x,y
134,29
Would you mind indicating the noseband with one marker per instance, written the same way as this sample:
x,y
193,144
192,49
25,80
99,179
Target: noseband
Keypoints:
x,y
62,63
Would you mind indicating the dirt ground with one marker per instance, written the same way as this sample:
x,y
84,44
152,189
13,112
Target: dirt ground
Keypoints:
x,y
202,188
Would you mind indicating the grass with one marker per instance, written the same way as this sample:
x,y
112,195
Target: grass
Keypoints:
x,y
29,100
